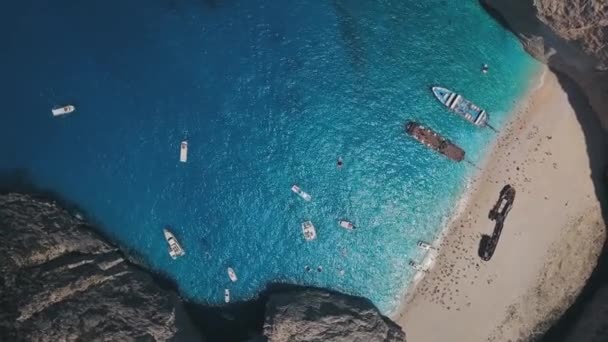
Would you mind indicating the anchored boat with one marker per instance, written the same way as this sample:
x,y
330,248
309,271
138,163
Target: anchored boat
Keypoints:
x,y
346,224
175,249
425,245
415,266
309,231
434,141
226,296
63,110
183,152
301,193
463,107
232,274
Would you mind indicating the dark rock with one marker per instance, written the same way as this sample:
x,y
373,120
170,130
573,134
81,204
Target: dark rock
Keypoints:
x,y
314,315
62,282
570,36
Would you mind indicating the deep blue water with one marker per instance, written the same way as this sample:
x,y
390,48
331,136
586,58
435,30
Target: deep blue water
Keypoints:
x,y
268,93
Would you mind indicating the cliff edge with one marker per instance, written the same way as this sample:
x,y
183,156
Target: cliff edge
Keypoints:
x,y
570,36
314,315
61,282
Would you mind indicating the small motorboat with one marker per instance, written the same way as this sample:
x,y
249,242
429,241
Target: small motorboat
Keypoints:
x,y
310,233
175,249
232,274
415,266
301,193
226,296
183,152
425,245
346,224
63,110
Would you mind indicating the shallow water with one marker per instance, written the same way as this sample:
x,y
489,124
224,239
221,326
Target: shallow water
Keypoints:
x,y
268,94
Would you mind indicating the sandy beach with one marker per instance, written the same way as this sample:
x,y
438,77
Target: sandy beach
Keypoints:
x,y
549,244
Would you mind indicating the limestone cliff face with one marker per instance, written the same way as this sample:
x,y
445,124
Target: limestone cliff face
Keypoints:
x,y
313,315
61,282
570,36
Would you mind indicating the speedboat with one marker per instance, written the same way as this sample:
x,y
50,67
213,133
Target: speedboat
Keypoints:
x,y
310,233
346,224
461,106
183,152
232,274
63,110
226,295
175,249
425,245
301,193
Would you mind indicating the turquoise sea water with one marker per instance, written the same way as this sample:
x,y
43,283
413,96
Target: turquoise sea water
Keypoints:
x,y
269,94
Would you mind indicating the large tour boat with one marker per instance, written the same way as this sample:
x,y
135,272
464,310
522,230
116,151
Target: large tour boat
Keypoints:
x,y
463,107
434,141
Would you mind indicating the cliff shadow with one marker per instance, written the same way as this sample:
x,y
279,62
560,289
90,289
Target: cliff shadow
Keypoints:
x,y
596,142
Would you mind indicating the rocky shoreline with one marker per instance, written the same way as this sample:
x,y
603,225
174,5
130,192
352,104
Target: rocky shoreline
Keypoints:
x,y
62,282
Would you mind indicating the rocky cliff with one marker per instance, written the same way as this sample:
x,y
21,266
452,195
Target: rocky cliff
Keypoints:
x,y
571,36
61,282
313,315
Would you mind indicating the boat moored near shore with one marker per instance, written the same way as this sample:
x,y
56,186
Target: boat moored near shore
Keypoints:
x,y
175,249
433,140
461,106
226,296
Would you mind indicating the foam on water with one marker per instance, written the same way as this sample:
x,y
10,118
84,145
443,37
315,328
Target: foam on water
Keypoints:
x,y
268,94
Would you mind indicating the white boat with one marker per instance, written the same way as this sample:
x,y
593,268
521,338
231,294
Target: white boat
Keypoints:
x,y
183,152
310,233
463,107
425,245
226,295
301,193
63,110
232,274
346,224
415,266
175,249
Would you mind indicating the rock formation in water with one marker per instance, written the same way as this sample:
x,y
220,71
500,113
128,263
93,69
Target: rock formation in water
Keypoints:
x,y
61,282
571,36
313,315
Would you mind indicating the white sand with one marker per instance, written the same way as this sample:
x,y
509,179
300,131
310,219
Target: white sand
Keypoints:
x,y
548,246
